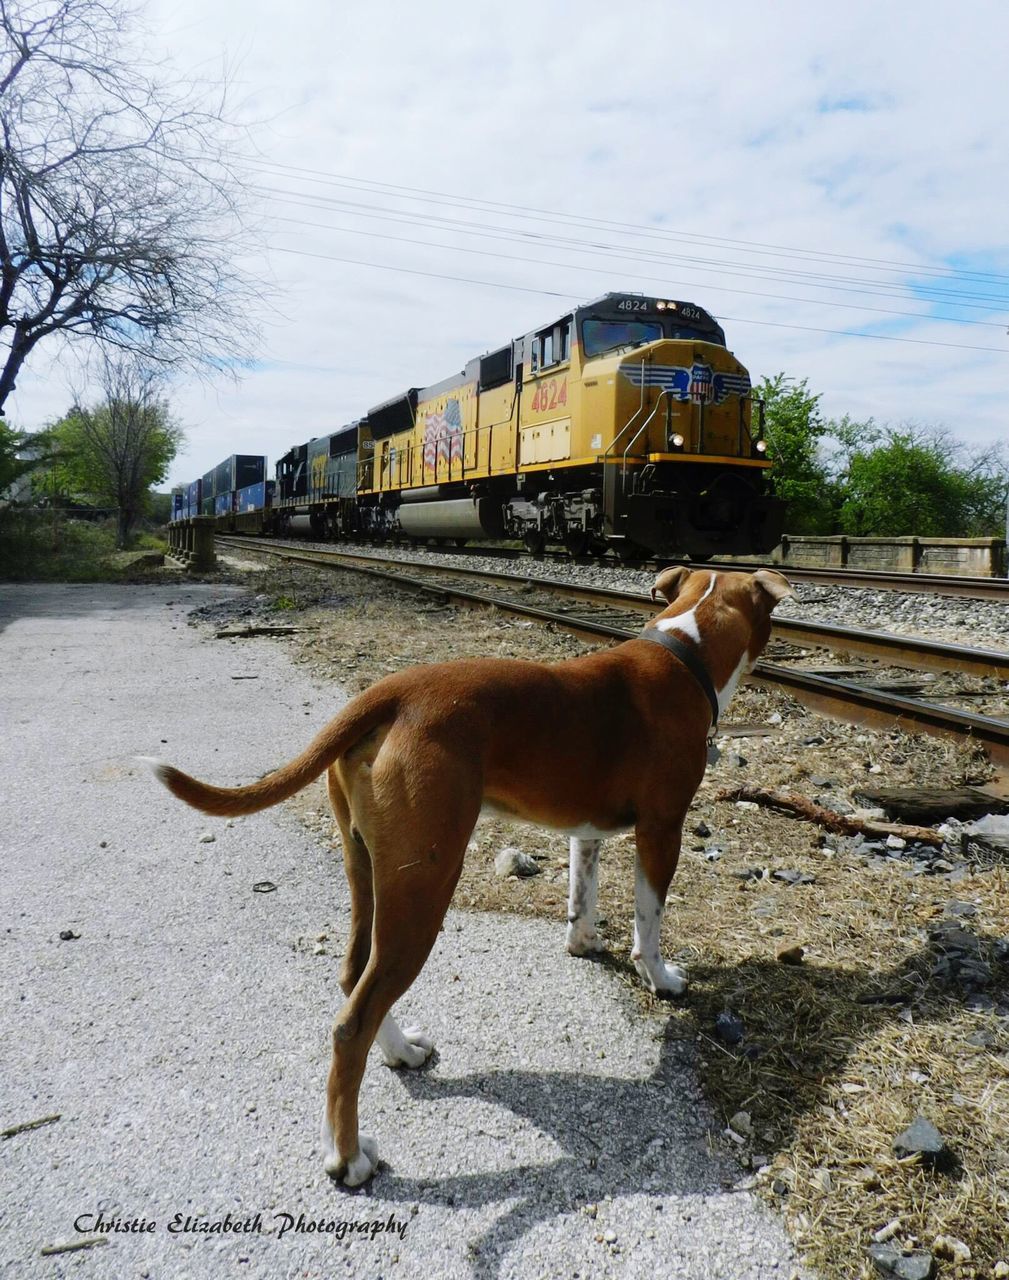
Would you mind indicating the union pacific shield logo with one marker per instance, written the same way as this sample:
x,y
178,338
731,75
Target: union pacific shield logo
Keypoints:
x,y
702,383
697,382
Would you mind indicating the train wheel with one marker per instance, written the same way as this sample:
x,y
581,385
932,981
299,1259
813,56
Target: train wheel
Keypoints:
x,y
461,542
628,550
576,541
534,542
702,559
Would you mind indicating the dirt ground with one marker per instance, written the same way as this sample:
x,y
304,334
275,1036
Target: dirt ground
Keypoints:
x,y
855,1005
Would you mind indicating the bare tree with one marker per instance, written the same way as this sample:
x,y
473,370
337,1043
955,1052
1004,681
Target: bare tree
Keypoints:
x,y
118,205
116,450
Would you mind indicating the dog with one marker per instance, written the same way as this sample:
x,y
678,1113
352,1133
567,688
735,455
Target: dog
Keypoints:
x,y
612,740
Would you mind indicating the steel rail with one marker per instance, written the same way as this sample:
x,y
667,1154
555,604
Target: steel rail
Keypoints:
x,y
915,652
839,699
942,584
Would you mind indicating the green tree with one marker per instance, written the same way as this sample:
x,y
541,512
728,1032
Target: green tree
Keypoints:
x,y
14,445
923,482
794,430
115,451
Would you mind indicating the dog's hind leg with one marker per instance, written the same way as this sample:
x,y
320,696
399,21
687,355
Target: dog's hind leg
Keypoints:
x,y
407,1047
416,851
583,883
657,855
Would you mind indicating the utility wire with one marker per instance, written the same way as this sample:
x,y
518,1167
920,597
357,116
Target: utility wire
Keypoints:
x,y
755,293
843,284
652,232
552,293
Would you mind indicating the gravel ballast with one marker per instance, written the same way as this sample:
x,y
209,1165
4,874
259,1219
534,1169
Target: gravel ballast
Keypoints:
x,y
181,1030
955,619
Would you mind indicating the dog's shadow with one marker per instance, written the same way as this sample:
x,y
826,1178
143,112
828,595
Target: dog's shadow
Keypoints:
x,y
649,1137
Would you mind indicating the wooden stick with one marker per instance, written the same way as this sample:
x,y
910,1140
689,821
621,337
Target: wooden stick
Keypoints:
x,y
798,806
68,1246
267,629
28,1124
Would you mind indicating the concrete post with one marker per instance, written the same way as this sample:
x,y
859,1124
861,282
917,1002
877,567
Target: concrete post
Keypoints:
x,y
203,544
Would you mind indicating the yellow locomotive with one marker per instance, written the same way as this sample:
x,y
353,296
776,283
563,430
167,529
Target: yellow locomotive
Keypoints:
x,y
624,424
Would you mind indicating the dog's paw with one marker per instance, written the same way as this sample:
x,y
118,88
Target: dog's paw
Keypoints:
x,y
413,1050
662,979
582,938
409,1048
359,1168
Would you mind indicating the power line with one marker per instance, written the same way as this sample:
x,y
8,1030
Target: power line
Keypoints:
x,y
755,293
552,293
840,284
512,210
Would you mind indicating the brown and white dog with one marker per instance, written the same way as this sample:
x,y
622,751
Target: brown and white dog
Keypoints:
x,y
592,746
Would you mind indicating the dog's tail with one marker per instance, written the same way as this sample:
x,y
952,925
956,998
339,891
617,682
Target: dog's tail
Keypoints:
x,y
363,715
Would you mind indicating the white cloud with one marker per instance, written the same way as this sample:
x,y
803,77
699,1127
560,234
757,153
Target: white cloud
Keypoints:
x,y
870,130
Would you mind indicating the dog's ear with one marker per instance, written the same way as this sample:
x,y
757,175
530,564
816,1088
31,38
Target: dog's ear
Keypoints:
x,y
670,583
771,587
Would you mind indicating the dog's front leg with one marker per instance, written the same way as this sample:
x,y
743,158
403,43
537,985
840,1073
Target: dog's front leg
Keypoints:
x,y
583,886
653,869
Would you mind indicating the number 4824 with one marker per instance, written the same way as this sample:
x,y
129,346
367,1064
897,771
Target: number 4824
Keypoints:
x,y
550,395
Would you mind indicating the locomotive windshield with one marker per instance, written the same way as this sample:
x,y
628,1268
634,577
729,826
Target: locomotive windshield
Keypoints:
x,y
603,335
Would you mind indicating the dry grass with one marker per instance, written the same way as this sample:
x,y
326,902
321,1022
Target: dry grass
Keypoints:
x,y
842,1050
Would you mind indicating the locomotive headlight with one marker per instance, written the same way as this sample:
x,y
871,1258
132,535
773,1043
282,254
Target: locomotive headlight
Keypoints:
x,y
660,306
761,446
677,441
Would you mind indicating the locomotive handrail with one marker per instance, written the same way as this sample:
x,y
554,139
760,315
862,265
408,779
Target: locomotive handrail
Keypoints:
x,y
643,427
627,425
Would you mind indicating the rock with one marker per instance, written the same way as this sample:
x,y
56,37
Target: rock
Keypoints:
x,y
1001,1270
890,1261
815,741
962,909
922,1138
514,862
742,1124
738,761
794,877
824,784
712,854
895,842
68,935
952,1248
729,1028
701,829
207,837
791,954
774,718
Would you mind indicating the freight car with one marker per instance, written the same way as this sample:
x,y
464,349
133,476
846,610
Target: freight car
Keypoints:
x,y
624,424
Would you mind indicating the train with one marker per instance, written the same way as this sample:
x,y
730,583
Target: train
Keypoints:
x,y
625,424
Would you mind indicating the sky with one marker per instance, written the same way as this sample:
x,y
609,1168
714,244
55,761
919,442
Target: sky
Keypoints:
x,y
429,181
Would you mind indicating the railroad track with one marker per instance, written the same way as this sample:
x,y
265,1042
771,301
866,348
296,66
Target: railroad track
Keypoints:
x,y
974,588
600,613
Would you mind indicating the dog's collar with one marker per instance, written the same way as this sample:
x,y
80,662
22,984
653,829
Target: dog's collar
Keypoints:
x,y
687,654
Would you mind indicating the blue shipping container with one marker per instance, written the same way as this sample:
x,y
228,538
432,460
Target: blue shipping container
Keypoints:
x,y
222,504
252,497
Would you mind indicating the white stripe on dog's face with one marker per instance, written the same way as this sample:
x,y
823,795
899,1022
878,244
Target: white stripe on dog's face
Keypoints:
x,y
687,621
